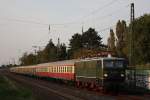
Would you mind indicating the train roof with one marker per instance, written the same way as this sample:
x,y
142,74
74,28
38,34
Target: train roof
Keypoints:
x,y
101,58
69,62
64,62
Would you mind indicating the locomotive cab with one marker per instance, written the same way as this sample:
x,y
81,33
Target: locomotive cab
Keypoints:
x,y
114,73
114,69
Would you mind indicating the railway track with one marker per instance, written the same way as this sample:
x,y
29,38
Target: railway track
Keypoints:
x,y
50,91
61,91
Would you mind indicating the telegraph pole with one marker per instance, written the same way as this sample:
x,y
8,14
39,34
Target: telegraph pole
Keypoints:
x,y
131,35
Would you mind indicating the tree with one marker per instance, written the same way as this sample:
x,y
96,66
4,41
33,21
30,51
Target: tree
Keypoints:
x,y
40,57
111,41
61,52
28,59
50,52
80,45
76,42
121,37
91,39
74,45
141,40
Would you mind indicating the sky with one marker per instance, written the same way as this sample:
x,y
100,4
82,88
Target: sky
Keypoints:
x,y
25,23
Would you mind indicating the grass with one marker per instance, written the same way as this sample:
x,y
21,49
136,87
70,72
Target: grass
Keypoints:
x,y
9,90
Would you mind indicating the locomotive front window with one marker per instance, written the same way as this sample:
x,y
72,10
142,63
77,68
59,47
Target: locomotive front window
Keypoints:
x,y
119,63
113,63
109,63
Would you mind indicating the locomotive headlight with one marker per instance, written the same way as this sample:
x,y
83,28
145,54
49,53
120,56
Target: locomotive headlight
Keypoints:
x,y
105,75
122,75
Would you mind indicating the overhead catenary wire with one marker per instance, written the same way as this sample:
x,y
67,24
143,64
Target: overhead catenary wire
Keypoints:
x,y
61,24
80,21
49,25
109,27
91,13
110,14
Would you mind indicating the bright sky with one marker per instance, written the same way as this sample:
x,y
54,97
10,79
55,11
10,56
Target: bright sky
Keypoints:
x,y
25,23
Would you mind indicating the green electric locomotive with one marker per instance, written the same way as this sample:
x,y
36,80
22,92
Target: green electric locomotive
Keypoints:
x,y
100,72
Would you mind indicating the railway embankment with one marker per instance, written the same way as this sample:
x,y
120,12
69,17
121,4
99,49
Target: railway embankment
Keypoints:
x,y
9,90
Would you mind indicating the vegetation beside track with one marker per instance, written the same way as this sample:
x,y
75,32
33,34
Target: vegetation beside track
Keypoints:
x,y
10,91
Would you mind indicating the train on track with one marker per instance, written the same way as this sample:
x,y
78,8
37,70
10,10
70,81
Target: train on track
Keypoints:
x,y
96,73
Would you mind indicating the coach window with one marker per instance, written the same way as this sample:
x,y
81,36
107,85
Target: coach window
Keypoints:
x,y
65,69
59,69
62,69
52,69
49,69
70,69
56,69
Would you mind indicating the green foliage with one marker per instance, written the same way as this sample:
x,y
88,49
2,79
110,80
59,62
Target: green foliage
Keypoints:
x,y
91,39
48,54
121,33
90,42
81,44
111,41
28,59
141,36
140,40
61,52
76,42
